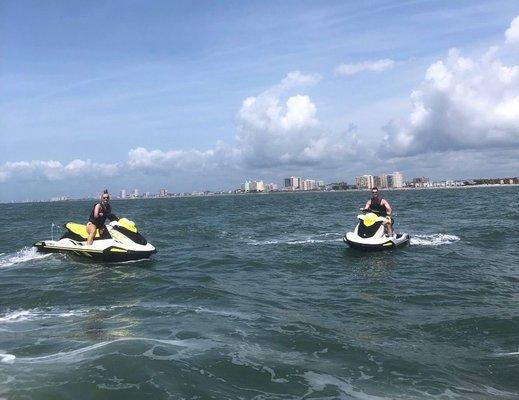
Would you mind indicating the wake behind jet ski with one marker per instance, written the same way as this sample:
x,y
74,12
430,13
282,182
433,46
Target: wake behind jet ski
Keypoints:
x,y
120,241
374,230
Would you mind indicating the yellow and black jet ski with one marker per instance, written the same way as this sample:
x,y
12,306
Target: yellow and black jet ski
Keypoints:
x,y
120,242
369,234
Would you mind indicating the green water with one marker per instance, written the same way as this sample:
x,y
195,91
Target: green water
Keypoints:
x,y
257,297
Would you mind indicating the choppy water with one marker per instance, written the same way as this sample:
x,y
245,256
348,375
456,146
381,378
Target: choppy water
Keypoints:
x,y
256,297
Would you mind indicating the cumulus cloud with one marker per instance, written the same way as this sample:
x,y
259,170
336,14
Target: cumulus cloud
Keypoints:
x,y
279,128
371,66
462,103
54,170
512,33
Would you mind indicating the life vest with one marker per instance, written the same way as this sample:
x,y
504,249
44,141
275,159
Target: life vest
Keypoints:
x,y
99,222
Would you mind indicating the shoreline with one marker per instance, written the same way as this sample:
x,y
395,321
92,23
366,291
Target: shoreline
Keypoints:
x,y
494,185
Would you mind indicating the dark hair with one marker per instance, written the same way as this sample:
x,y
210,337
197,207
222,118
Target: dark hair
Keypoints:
x,y
105,191
374,188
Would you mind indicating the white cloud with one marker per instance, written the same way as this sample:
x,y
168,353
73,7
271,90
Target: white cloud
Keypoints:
x,y
461,104
54,170
275,128
371,66
512,33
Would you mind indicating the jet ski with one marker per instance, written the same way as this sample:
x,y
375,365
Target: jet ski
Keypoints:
x,y
120,242
369,234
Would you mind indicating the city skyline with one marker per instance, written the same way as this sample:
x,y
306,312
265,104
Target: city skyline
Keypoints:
x,y
213,95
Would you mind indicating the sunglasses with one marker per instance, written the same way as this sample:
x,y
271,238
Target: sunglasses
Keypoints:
x,y
106,197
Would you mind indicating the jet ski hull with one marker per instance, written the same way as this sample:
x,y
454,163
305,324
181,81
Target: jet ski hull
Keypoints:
x,y
376,244
110,253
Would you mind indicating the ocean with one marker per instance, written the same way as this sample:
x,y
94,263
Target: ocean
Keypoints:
x,y
257,297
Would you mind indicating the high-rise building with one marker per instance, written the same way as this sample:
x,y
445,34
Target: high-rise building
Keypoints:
x,y
257,186
398,180
246,186
308,184
163,192
380,181
293,183
123,193
135,192
364,182
269,187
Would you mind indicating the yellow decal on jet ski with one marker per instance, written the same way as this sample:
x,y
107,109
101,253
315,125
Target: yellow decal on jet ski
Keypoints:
x,y
79,229
117,250
130,225
370,219
388,244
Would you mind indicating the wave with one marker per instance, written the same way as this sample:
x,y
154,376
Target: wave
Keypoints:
x,y
21,256
318,382
7,358
436,239
75,355
320,238
38,314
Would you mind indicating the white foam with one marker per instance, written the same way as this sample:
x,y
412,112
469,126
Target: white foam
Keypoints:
x,y
17,316
318,382
7,358
513,353
21,256
336,237
38,314
436,239
183,346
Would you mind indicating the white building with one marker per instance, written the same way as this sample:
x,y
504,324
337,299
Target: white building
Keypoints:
x,y
293,183
123,193
135,192
398,180
309,184
257,186
269,187
246,186
364,181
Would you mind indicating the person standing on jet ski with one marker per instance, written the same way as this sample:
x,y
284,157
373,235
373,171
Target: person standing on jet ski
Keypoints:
x,y
98,216
381,207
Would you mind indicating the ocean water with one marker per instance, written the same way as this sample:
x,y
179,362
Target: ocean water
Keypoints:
x,y
257,297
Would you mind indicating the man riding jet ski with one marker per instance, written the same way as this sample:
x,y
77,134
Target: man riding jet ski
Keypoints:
x,y
119,241
374,230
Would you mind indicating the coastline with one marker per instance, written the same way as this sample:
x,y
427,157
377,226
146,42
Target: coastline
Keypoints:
x,y
280,192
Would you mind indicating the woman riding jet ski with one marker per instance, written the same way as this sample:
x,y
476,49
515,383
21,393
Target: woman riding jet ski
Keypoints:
x,y
374,230
120,241
117,241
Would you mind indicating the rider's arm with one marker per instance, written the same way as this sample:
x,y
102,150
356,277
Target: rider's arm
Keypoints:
x,y
368,205
97,210
112,217
389,210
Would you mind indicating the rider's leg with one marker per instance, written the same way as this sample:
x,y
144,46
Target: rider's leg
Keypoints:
x,y
91,229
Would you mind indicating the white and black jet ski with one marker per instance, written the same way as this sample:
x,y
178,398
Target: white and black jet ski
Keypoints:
x,y
120,242
369,234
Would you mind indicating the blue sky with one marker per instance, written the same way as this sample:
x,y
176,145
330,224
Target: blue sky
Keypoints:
x,y
201,95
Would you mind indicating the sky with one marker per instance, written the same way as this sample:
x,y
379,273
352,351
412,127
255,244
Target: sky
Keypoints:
x,y
201,95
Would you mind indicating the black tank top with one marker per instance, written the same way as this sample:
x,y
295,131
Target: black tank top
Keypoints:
x,y
100,220
377,207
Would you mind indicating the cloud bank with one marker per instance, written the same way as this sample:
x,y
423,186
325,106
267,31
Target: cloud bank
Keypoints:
x,y
51,170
